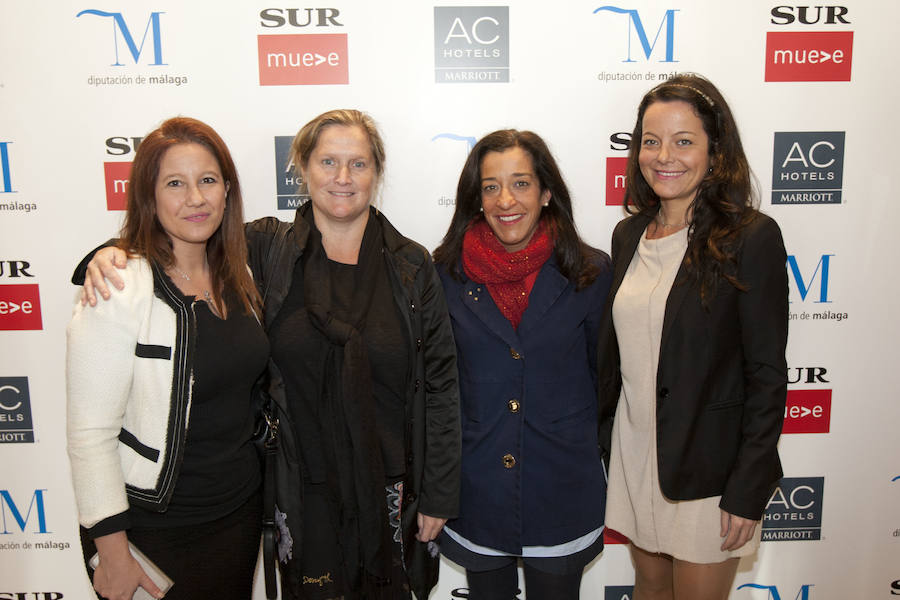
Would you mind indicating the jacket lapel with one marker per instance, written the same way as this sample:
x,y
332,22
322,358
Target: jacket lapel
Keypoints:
x,y
626,252
548,287
477,299
674,302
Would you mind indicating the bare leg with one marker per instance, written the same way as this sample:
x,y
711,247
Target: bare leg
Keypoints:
x,y
695,581
653,575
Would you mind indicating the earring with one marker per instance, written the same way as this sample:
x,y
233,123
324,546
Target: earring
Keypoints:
x,y
480,209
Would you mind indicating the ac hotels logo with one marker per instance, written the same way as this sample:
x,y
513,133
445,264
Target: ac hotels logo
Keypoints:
x,y
809,56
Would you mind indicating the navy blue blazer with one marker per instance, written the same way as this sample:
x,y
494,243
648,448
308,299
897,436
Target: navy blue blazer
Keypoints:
x,y
531,468
721,378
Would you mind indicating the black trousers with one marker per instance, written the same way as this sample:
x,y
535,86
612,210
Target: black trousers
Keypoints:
x,y
209,560
502,584
497,578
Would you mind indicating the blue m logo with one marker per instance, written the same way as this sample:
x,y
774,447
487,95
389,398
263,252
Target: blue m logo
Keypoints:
x,y
772,591
5,177
805,285
635,24
119,26
7,505
470,141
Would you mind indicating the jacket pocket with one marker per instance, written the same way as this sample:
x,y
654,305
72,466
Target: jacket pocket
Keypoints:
x,y
128,438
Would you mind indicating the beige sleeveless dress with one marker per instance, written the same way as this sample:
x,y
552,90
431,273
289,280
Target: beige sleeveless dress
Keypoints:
x,y
687,530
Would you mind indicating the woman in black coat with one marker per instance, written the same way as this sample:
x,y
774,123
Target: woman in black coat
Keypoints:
x,y
692,352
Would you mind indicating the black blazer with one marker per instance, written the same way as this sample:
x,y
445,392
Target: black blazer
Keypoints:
x,y
722,377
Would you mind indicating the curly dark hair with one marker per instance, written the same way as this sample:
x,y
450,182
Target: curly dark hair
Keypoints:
x,y
573,256
724,204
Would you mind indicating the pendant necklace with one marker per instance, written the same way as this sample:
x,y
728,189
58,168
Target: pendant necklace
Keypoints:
x,y
206,295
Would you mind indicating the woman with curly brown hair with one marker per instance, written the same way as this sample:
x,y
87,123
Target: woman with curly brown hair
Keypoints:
x,y
692,352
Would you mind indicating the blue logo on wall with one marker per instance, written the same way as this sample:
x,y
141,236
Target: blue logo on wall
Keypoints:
x,y
666,29
5,171
121,28
773,594
806,284
21,515
469,140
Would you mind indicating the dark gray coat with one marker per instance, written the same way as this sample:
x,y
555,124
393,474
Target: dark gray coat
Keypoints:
x,y
432,400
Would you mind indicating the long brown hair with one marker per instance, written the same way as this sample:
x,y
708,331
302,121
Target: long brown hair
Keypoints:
x,y
723,206
573,257
143,235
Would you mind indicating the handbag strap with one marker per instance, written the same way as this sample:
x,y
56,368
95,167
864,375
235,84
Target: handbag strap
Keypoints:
x,y
269,529
272,255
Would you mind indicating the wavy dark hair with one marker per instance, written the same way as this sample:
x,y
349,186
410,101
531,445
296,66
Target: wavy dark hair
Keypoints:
x,y
573,256
143,235
724,204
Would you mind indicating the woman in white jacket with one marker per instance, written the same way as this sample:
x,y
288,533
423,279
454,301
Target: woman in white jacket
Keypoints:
x,y
159,379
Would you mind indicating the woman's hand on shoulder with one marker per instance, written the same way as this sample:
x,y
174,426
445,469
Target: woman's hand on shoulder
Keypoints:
x,y
100,270
118,575
736,530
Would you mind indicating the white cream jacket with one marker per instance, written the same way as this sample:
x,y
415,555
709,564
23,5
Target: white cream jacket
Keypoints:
x,y
129,367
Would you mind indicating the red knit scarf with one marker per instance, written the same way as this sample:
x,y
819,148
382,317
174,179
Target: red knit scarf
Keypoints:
x,y
485,260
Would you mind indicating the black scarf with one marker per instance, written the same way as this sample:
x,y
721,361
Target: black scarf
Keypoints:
x,y
350,447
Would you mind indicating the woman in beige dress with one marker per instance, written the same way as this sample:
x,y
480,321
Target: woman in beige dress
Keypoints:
x,y
693,349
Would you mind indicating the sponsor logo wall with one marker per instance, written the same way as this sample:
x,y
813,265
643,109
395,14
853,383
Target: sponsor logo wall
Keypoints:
x,y
812,91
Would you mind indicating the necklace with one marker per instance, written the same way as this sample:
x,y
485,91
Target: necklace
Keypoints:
x,y
206,295
663,224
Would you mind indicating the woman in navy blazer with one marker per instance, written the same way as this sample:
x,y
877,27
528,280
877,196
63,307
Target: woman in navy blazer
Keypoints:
x,y
692,350
525,296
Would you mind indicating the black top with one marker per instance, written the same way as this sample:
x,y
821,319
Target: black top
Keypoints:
x,y
220,468
295,342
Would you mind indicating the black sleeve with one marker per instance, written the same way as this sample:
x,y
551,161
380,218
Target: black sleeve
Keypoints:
x,y
81,270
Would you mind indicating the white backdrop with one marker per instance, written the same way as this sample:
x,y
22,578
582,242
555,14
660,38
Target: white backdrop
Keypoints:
x,y
811,88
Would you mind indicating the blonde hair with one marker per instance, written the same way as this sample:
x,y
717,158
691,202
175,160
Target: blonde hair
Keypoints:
x,y
306,139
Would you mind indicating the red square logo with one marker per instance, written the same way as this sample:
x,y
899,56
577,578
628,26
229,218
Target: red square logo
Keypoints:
x,y
807,411
809,56
20,307
615,180
116,175
303,59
